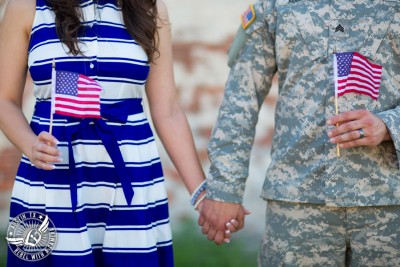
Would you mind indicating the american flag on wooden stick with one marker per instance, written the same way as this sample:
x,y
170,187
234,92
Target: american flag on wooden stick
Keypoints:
x,y
75,95
355,74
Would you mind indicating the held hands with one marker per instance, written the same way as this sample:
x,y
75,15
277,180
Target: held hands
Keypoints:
x,y
44,151
220,219
357,128
231,226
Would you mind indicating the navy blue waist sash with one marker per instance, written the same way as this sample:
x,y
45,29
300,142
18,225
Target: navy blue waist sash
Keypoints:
x,y
116,112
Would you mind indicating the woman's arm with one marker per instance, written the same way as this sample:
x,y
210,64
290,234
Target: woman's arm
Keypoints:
x,y
14,42
168,118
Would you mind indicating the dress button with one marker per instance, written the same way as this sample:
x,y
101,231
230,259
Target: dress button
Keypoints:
x,y
91,65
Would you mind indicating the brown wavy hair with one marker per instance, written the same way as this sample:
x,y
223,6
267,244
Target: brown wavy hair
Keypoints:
x,y
140,18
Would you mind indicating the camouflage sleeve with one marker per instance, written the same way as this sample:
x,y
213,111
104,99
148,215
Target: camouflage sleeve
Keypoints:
x,y
252,62
392,120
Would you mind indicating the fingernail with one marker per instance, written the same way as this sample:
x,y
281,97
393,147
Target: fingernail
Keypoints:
x,y
59,160
332,140
228,224
53,167
329,122
227,241
227,232
233,221
330,133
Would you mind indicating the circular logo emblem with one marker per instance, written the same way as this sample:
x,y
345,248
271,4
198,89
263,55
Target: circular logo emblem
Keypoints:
x,y
31,236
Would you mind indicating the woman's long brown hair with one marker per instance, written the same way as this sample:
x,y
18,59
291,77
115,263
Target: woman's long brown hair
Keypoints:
x,y
140,18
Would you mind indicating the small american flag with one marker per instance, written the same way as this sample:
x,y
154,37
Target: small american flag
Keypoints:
x,y
75,95
248,16
355,74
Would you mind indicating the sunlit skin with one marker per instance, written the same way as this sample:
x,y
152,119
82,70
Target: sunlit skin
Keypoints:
x,y
168,117
347,134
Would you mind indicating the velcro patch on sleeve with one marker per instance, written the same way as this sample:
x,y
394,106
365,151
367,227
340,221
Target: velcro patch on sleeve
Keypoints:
x,y
248,16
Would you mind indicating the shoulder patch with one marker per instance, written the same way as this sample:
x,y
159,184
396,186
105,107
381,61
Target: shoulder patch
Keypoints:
x,y
248,16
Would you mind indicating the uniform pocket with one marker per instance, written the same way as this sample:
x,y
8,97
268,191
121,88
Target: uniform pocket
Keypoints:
x,y
301,32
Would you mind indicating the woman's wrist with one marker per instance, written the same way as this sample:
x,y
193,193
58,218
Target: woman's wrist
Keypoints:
x,y
199,200
197,192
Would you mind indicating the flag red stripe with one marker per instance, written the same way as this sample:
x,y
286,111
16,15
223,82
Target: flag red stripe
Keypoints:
x,y
93,84
359,92
82,116
364,72
77,101
353,80
77,108
366,61
365,65
88,96
359,87
89,89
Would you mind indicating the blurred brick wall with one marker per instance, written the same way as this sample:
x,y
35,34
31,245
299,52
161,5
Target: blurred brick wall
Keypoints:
x,y
202,32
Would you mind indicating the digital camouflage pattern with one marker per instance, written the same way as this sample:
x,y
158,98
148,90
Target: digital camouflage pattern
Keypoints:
x,y
316,235
297,39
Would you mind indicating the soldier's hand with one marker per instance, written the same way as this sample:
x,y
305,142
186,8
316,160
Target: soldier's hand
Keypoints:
x,y
357,128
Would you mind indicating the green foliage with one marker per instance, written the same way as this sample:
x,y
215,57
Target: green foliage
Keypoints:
x,y
3,249
192,249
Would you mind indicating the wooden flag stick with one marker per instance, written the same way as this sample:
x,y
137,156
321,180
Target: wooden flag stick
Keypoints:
x,y
51,123
53,84
336,93
337,124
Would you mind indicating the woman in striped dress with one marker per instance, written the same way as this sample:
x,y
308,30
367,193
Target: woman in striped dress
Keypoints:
x,y
90,189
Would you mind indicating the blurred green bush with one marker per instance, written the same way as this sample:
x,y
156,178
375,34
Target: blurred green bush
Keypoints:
x,y
3,249
192,249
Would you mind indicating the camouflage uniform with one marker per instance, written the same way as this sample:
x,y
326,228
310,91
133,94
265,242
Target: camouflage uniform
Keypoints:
x,y
316,235
297,39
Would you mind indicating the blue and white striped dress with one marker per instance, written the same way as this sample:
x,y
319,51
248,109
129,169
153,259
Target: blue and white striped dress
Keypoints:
x,y
85,196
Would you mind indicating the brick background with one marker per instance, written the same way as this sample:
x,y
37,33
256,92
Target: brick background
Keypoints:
x,y
202,32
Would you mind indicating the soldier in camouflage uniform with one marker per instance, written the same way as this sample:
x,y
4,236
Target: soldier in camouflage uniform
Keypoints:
x,y
322,209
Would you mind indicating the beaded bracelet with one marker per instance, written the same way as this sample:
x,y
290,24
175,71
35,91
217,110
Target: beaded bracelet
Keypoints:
x,y
199,201
196,193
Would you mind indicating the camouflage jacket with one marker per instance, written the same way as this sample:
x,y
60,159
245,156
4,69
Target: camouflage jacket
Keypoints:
x,y
297,39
